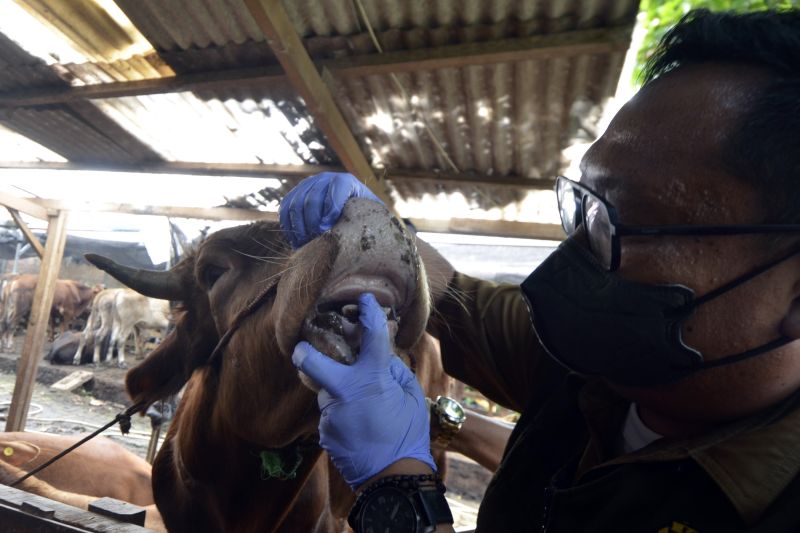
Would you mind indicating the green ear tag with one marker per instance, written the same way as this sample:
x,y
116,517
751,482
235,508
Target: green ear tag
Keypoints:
x,y
273,466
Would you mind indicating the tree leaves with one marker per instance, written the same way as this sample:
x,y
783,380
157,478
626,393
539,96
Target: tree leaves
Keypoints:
x,y
660,15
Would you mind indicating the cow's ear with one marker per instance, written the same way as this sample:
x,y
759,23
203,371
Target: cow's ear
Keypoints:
x,y
167,369
17,452
158,376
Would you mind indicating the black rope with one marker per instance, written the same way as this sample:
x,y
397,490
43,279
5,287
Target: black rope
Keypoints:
x,y
249,309
124,420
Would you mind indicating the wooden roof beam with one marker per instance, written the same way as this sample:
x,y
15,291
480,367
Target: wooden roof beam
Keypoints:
x,y
205,213
405,176
272,78
554,45
290,172
492,228
23,205
26,232
468,226
288,47
262,77
180,167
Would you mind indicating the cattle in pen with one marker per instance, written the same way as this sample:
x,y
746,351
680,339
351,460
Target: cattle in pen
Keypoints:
x,y
247,405
70,299
116,315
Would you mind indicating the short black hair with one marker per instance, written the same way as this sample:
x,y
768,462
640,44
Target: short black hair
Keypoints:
x,y
764,150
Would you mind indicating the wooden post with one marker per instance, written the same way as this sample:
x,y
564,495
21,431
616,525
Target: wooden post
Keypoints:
x,y
37,325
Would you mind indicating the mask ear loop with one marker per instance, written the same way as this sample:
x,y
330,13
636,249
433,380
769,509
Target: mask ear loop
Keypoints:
x,y
729,359
741,280
777,343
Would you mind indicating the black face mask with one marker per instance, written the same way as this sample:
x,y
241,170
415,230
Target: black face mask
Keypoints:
x,y
596,323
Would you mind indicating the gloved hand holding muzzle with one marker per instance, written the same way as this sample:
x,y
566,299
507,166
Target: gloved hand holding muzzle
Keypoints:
x,y
315,205
373,411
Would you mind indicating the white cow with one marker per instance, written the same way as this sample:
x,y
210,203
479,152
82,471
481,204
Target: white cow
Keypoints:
x,y
119,313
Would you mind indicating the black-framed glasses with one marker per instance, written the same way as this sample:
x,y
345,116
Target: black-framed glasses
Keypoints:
x,y
580,206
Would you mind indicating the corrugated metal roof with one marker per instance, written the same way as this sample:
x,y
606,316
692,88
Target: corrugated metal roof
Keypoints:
x,y
183,127
78,132
16,147
496,120
511,118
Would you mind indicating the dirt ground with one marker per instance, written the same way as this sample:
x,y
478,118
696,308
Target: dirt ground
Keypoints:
x,y
91,407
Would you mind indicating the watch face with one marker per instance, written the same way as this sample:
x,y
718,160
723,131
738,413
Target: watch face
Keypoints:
x,y
451,409
388,510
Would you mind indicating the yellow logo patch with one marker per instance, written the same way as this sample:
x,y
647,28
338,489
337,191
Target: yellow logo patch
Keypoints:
x,y
678,527
8,451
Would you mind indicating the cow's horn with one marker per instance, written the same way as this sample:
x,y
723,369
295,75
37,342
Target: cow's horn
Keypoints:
x,y
154,283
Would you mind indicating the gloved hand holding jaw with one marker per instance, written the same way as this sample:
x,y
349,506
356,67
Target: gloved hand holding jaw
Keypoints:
x,y
373,413
315,205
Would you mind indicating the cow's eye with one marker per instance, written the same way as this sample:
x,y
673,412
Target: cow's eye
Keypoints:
x,y
210,275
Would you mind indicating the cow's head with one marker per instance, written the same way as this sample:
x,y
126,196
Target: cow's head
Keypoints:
x,y
315,298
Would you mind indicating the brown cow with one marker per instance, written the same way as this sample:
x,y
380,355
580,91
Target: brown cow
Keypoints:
x,y
101,467
250,400
71,298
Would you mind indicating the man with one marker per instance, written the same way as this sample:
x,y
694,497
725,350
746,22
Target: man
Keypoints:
x,y
675,301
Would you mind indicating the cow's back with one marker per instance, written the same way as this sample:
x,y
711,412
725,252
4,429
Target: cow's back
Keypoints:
x,y
100,468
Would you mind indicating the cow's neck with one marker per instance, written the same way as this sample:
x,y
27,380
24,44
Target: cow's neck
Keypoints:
x,y
230,468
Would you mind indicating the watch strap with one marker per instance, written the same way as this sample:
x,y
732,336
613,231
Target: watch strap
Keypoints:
x,y
434,507
426,492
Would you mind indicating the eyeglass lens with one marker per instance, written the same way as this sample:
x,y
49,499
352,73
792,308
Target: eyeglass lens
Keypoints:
x,y
568,205
577,207
598,229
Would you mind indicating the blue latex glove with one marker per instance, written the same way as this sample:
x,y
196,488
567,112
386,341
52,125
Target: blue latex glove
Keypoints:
x,y
374,411
316,203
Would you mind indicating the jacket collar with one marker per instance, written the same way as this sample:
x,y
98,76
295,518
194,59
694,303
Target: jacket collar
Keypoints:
x,y
752,460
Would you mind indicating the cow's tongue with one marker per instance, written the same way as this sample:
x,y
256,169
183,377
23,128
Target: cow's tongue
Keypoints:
x,y
337,333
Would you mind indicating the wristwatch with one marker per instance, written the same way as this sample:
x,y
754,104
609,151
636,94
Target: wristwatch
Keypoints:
x,y
450,416
400,504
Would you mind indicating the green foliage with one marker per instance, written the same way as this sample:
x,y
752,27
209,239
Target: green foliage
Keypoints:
x,y
660,15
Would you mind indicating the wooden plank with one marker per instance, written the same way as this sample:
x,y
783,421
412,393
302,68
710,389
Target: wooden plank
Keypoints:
x,y
554,45
72,518
269,78
119,510
493,228
24,205
205,213
26,231
73,380
37,323
282,37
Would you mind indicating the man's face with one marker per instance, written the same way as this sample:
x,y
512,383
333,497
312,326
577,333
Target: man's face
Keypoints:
x,y
660,163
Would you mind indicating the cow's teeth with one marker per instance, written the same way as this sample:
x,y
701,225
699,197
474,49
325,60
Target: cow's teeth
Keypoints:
x,y
350,312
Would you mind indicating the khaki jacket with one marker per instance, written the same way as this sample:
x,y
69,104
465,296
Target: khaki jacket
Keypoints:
x,y
560,471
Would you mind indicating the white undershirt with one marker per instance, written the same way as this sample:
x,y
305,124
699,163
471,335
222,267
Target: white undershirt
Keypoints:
x,y
635,435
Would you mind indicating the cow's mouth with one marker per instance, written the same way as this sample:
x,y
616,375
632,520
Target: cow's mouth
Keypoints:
x,y
333,326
